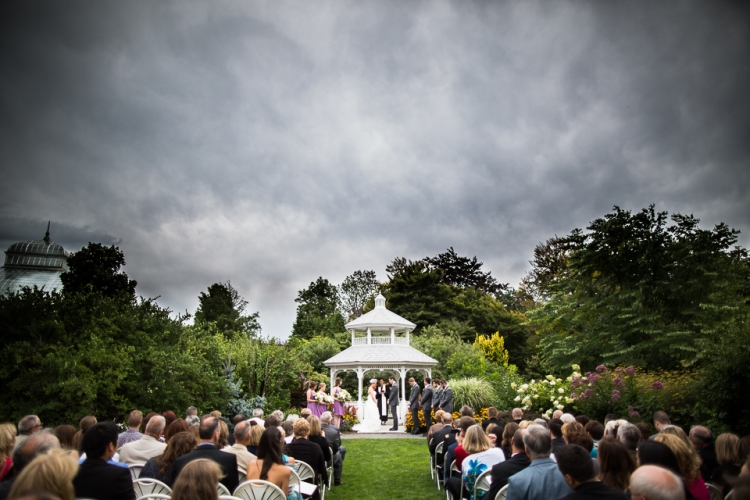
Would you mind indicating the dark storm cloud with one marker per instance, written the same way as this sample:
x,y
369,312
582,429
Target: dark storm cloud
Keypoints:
x,y
271,143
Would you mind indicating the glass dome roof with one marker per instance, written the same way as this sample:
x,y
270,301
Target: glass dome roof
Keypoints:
x,y
41,254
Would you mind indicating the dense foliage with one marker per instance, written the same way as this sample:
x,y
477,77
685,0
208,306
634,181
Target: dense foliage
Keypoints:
x,y
224,306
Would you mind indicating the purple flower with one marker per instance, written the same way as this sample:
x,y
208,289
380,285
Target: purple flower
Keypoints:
x,y
575,380
593,378
618,382
630,370
588,393
619,370
601,368
657,385
615,395
635,414
573,395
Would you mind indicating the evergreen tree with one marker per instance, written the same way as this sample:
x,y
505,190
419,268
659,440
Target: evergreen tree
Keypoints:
x,y
318,312
224,306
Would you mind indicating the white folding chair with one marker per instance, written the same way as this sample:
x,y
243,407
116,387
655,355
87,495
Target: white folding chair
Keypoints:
x,y
154,496
714,492
482,483
432,463
454,468
135,470
329,468
242,472
228,497
438,466
257,489
146,486
305,472
223,490
502,494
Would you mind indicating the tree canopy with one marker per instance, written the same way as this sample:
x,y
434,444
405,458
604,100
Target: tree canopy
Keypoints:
x,y
224,306
96,268
318,311
355,291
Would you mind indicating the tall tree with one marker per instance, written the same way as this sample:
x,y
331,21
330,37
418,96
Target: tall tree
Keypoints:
x,y
547,268
96,268
355,291
463,272
224,306
318,311
640,290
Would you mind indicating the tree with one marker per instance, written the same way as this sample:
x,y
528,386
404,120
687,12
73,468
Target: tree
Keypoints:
x,y
224,306
638,290
318,312
493,348
463,272
96,268
548,267
356,290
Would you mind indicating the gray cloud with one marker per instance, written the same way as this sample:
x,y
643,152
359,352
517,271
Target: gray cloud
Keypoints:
x,y
273,143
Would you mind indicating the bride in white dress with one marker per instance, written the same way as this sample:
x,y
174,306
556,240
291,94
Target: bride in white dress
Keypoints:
x,y
372,414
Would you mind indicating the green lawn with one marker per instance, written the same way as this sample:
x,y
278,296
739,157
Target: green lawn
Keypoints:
x,y
389,469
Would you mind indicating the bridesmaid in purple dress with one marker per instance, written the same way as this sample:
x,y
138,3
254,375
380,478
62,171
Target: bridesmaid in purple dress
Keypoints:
x,y
312,405
338,407
322,407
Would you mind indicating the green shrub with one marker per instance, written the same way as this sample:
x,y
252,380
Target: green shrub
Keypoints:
x,y
473,392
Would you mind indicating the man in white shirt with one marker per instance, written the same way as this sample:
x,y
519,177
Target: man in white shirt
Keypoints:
x,y
149,446
239,448
258,417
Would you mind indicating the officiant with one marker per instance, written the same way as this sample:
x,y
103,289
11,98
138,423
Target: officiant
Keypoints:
x,y
383,392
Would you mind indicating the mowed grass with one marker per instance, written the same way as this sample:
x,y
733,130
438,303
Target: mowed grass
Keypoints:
x,y
390,469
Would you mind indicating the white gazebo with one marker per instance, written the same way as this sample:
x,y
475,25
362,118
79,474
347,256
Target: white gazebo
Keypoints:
x,y
383,347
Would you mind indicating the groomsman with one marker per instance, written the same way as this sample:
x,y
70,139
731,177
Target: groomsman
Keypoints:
x,y
446,399
438,393
427,403
393,402
414,405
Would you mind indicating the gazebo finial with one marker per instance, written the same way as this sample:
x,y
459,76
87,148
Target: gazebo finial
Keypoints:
x,y
46,235
380,301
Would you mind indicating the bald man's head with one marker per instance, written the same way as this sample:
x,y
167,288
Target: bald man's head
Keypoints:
x,y
655,483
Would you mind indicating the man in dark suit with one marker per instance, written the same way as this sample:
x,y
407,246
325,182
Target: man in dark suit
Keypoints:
x,y
96,478
333,436
446,398
517,462
577,468
414,405
438,390
393,402
208,432
517,415
447,435
427,403
555,432
703,442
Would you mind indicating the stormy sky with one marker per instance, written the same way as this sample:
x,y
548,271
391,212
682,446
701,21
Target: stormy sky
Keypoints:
x,y
269,143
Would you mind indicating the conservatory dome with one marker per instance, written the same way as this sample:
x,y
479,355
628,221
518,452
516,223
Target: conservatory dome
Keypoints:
x,y
33,263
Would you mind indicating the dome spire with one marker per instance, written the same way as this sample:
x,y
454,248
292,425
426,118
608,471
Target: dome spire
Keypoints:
x,y
46,235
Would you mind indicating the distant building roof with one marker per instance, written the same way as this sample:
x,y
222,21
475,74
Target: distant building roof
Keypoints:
x,y
380,319
33,263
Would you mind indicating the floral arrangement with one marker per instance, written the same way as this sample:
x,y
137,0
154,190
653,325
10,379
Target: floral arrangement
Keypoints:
x,y
343,396
349,419
546,395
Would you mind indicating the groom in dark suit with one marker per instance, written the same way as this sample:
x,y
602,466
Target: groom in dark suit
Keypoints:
x,y
414,405
393,402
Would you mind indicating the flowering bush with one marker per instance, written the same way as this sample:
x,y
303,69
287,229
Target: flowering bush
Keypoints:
x,y
349,419
545,395
409,424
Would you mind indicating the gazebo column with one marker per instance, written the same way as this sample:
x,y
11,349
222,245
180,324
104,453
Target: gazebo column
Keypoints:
x,y
393,336
369,336
402,374
360,376
352,336
407,337
333,378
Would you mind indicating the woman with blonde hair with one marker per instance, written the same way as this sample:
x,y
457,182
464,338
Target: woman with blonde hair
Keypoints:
x,y
317,437
198,480
7,442
223,441
482,455
256,431
730,462
52,472
689,463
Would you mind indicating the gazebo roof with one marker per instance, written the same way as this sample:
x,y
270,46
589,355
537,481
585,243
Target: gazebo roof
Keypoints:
x,y
386,354
380,319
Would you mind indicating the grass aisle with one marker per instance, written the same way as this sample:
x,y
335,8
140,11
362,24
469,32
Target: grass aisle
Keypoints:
x,y
392,469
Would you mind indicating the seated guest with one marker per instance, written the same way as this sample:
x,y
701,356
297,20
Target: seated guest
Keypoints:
x,y
333,436
703,441
577,468
508,432
305,450
629,435
209,436
582,419
661,420
304,413
466,411
437,426
198,481
96,478
516,461
495,435
279,415
447,435
456,451
135,419
654,483
241,441
52,473
27,426
169,417
317,437
256,431
162,467
645,429
741,488
616,464
83,426
66,435
596,430
689,462
481,457
541,480
517,415
223,441
258,417
567,418
23,454
235,420
288,427
270,465
555,432
7,442
728,457
179,425
271,421
492,419
138,452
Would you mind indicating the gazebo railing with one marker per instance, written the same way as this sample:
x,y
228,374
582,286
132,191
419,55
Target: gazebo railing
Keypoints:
x,y
381,340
